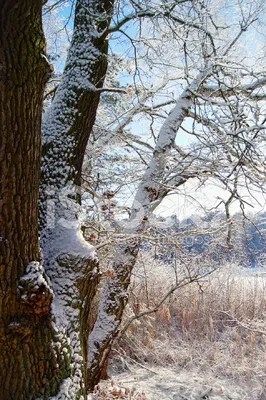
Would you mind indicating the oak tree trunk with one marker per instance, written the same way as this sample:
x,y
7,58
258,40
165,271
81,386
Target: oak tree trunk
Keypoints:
x,y
69,260
28,362
43,320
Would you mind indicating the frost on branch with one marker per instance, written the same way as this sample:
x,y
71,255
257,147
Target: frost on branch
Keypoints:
x,y
34,290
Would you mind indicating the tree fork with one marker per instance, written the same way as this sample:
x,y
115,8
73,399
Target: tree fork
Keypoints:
x,y
67,124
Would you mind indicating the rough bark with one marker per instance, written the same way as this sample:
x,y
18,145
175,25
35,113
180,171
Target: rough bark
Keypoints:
x,y
69,260
41,344
28,361
68,122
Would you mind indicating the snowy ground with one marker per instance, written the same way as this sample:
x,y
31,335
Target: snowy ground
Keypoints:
x,y
227,362
160,383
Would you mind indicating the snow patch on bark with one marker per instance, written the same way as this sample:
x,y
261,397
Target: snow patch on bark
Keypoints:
x,y
65,273
149,188
34,289
105,325
152,179
34,275
69,260
67,241
68,390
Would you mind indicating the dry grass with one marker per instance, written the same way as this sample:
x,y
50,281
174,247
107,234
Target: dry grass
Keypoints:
x,y
216,325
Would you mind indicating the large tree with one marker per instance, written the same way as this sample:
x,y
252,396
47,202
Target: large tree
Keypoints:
x,y
43,327
46,350
28,361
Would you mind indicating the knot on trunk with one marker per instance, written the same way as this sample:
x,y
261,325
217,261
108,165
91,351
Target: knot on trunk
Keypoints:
x,y
35,291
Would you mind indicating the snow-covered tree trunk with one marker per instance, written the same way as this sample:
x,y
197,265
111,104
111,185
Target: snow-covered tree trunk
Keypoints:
x,y
114,294
69,260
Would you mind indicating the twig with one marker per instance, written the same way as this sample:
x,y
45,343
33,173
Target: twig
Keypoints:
x,y
110,89
243,325
179,285
136,362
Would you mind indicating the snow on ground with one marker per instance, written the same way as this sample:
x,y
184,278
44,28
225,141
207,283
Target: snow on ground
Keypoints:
x,y
235,370
160,383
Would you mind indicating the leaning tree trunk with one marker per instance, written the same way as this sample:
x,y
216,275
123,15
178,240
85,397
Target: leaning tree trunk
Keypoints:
x,y
149,195
69,260
29,357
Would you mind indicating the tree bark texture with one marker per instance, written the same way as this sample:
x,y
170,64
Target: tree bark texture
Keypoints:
x,y
68,123
28,362
68,258
112,304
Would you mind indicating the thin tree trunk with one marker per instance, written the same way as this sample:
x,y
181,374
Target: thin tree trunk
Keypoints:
x,y
150,192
